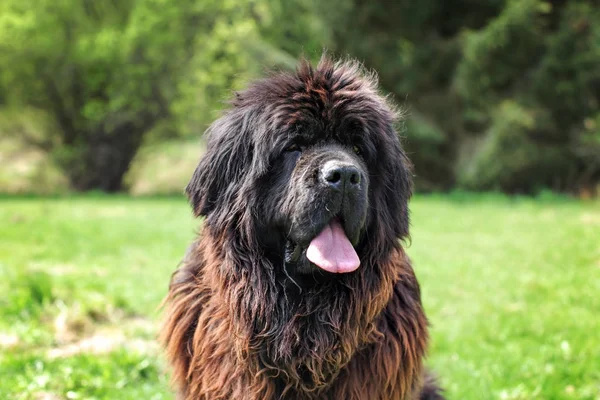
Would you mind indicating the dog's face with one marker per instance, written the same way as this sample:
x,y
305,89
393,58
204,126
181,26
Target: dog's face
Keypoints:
x,y
318,199
311,165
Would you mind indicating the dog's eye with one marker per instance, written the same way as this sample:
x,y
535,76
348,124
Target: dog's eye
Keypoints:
x,y
356,150
292,148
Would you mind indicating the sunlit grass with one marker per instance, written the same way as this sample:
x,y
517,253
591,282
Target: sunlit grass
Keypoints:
x,y
510,286
512,290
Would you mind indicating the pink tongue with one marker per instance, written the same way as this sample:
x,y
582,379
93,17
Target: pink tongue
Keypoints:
x,y
332,251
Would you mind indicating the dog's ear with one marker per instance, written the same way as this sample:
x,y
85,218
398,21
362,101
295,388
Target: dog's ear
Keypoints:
x,y
227,159
396,186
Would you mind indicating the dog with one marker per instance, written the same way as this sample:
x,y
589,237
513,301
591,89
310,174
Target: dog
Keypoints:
x,y
298,286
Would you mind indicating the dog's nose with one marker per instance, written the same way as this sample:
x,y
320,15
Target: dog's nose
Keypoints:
x,y
340,176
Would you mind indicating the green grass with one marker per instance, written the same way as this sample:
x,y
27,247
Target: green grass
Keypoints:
x,y
511,287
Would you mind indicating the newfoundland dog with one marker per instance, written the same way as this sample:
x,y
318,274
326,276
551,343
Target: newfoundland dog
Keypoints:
x,y
298,286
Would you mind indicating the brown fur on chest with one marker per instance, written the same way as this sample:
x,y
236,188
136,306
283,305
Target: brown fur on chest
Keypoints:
x,y
227,336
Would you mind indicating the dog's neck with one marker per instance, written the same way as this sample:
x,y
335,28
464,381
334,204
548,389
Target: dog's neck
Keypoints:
x,y
235,311
304,336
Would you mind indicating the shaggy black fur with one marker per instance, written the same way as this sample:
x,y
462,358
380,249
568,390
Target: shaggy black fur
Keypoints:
x,y
249,316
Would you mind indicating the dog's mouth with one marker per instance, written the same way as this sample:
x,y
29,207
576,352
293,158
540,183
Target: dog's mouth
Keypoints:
x,y
330,250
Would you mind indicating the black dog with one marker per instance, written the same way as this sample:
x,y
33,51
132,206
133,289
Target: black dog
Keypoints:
x,y
298,287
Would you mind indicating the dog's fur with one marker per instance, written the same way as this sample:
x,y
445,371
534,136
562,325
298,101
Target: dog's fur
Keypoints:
x,y
248,316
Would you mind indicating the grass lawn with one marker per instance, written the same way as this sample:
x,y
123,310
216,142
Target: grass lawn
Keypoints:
x,y
511,286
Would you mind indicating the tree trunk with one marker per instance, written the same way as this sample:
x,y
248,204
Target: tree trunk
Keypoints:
x,y
103,161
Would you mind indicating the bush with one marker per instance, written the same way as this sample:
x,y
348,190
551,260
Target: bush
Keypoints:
x,y
503,94
509,159
109,73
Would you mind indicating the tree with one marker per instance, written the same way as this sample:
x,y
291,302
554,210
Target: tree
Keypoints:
x,y
500,95
415,47
531,80
105,72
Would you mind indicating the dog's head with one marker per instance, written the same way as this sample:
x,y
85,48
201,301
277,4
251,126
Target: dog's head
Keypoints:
x,y
307,169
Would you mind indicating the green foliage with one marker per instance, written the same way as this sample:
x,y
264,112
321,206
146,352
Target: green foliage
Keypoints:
x,y
466,66
534,70
82,279
567,81
427,144
102,78
109,72
494,58
293,28
415,49
222,62
509,159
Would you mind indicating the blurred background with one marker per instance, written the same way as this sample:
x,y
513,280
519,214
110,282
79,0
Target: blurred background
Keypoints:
x,y
501,95
102,108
